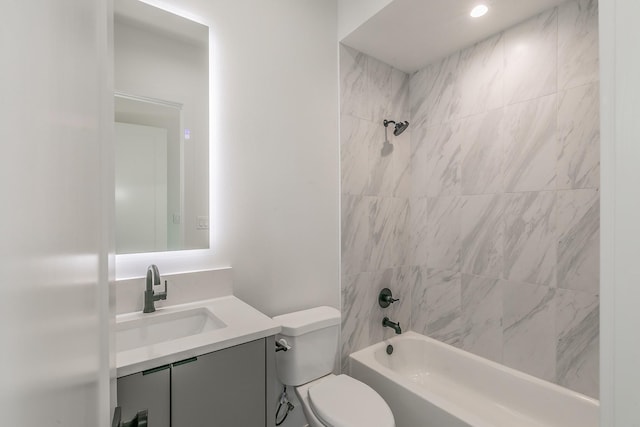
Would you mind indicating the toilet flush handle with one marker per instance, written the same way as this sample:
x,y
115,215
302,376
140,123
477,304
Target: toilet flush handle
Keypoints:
x,y
281,345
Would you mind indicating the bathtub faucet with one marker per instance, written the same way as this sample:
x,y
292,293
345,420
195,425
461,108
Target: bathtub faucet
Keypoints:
x,y
389,324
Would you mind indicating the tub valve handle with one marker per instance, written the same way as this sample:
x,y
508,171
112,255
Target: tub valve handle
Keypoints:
x,y
385,298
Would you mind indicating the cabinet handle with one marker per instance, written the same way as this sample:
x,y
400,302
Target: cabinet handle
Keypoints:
x,y
185,361
154,370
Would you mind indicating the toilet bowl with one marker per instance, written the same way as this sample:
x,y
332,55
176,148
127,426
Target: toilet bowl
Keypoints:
x,y
342,401
327,400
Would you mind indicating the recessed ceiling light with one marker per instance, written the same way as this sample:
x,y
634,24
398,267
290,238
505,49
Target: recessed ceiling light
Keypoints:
x,y
479,11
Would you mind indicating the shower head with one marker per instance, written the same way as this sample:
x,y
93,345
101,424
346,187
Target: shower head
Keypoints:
x,y
399,126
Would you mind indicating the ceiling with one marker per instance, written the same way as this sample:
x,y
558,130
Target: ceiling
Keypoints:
x,y
409,34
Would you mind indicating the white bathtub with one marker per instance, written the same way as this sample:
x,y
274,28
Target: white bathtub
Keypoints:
x,y
430,384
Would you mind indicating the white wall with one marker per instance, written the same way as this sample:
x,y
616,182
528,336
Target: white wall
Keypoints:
x,y
274,124
353,13
55,120
620,155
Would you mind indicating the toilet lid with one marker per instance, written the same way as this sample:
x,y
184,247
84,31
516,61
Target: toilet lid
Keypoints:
x,y
342,401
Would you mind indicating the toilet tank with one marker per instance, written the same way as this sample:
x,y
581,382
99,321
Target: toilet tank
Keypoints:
x,y
313,336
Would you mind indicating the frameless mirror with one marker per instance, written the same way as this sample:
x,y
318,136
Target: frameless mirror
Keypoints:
x,y
161,77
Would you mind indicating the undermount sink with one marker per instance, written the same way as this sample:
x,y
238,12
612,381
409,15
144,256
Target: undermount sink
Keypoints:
x,y
140,330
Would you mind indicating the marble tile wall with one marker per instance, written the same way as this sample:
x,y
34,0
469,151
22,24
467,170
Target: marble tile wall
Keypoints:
x,y
484,219
504,197
375,190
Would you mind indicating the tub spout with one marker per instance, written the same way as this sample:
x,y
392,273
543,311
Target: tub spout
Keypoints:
x,y
389,324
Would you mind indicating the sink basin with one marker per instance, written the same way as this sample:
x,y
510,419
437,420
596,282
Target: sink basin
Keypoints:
x,y
140,330
181,331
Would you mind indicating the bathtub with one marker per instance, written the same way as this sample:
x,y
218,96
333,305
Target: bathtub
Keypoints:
x,y
430,384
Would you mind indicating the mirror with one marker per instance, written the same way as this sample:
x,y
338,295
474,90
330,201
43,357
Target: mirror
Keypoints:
x,y
161,77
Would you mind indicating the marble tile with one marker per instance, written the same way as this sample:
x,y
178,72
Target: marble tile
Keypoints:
x,y
355,137
431,92
418,162
379,77
417,251
389,232
531,58
530,137
382,177
443,294
530,246
354,87
577,331
482,234
528,322
357,293
443,233
388,163
579,137
442,149
482,149
479,84
420,304
578,61
579,240
400,107
400,281
401,164
356,244
481,318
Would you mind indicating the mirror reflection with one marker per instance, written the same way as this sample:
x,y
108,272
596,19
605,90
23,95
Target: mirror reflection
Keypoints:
x,y
161,76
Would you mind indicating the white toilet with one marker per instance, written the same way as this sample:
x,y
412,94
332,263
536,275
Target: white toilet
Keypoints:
x,y
327,400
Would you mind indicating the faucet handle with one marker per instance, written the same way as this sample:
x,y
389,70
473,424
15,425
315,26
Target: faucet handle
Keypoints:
x,y
163,295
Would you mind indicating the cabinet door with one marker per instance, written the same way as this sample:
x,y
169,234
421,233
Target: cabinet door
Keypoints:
x,y
147,390
225,388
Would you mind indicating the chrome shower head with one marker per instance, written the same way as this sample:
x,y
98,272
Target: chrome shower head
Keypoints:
x,y
399,126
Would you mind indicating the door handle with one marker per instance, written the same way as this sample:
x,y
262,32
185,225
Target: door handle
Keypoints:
x,y
140,420
117,415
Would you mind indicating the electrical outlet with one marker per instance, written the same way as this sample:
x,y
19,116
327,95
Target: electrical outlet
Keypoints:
x,y
202,223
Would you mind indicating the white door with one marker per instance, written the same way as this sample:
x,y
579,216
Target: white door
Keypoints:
x,y
620,213
141,188
55,184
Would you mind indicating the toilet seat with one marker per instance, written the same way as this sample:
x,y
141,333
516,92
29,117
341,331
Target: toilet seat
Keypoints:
x,y
342,401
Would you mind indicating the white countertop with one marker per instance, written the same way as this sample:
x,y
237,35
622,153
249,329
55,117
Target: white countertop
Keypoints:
x,y
243,324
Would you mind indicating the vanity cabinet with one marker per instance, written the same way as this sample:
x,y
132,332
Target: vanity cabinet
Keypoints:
x,y
149,390
224,388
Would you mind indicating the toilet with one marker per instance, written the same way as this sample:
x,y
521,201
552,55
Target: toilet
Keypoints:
x,y
327,400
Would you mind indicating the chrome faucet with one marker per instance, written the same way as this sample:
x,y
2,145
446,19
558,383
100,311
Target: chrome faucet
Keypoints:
x,y
393,325
153,279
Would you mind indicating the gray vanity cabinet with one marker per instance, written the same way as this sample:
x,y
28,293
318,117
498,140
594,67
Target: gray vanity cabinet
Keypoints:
x,y
149,390
225,388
